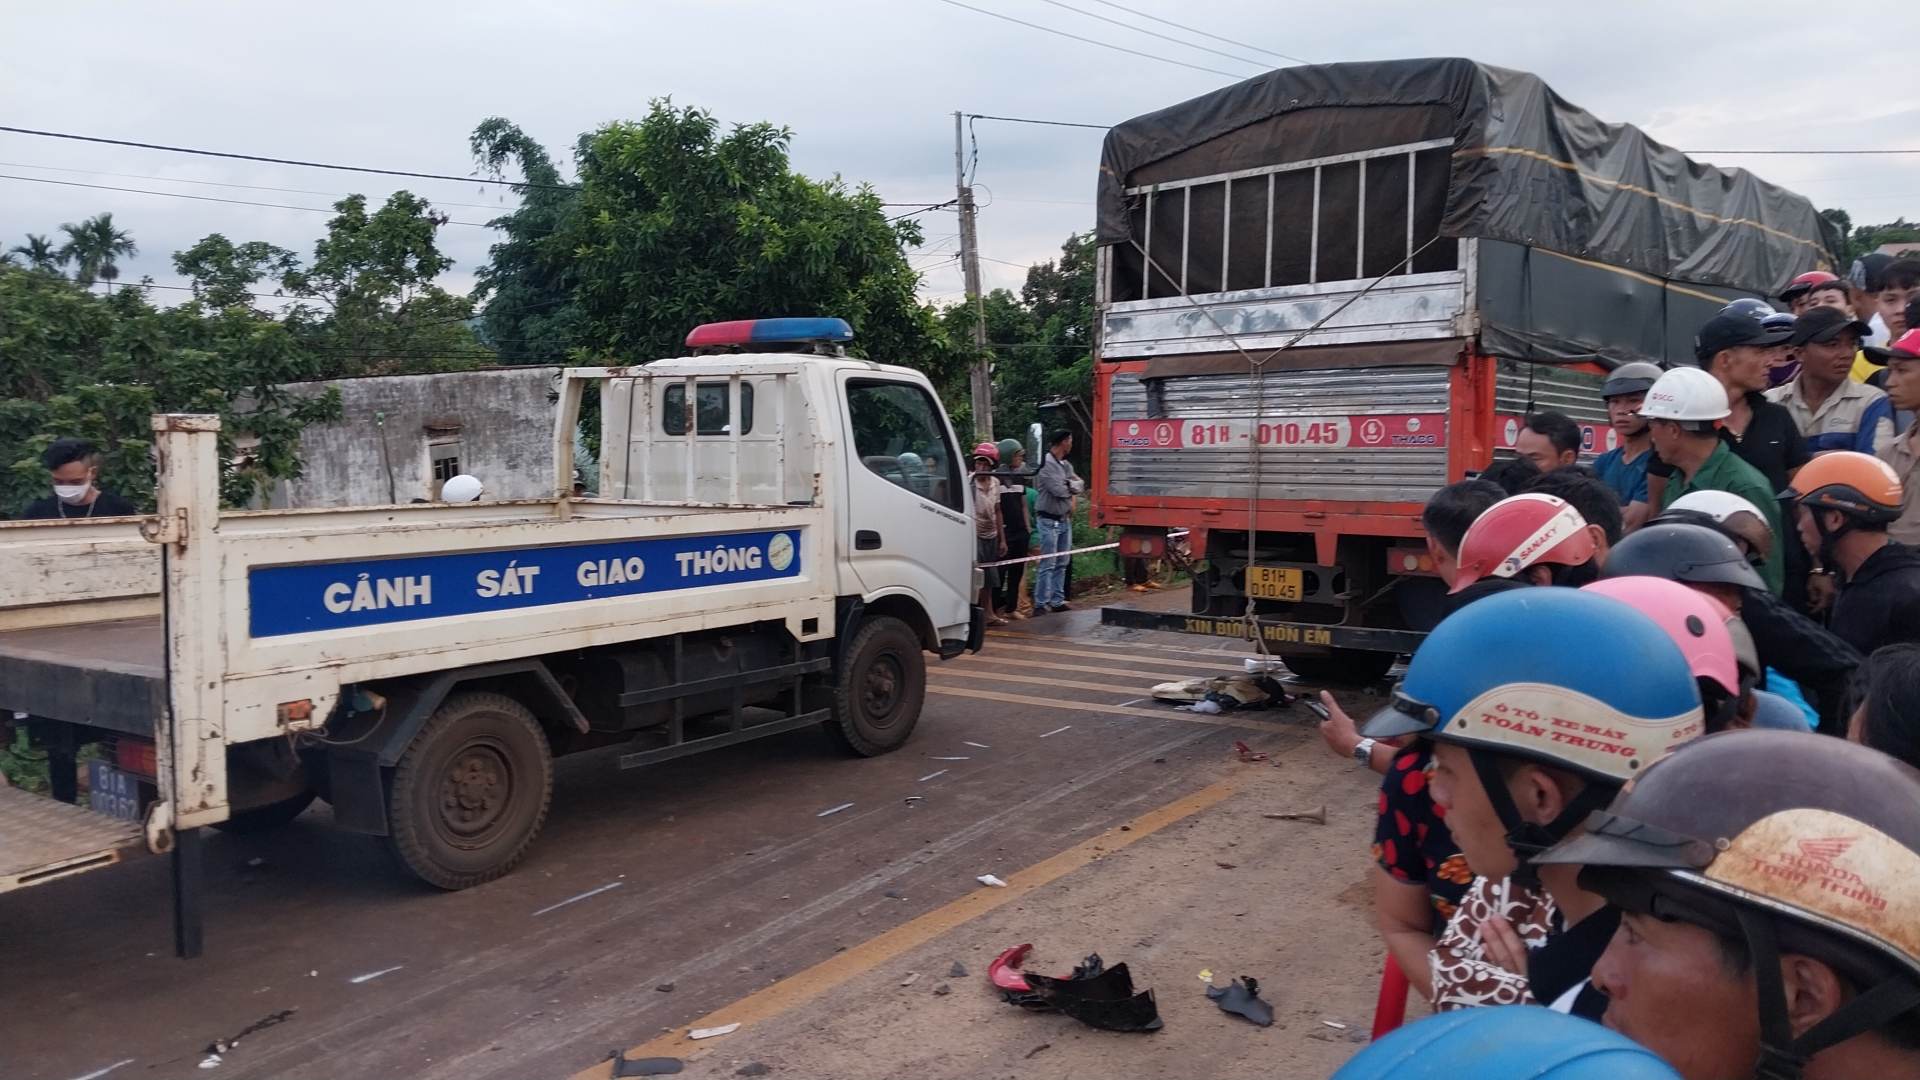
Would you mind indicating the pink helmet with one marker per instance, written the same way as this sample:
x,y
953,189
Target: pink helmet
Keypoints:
x,y
989,451
1696,622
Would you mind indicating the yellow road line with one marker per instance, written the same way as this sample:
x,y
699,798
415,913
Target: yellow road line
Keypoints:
x,y
800,988
996,660
1097,707
1224,666
1021,635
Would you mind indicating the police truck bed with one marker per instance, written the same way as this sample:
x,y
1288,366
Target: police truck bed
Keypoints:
x,y
106,674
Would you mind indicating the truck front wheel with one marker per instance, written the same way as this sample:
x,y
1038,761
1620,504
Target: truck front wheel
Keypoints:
x,y
1345,667
471,791
882,685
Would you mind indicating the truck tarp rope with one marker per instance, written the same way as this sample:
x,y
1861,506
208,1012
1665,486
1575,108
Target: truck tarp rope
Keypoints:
x,y
1257,368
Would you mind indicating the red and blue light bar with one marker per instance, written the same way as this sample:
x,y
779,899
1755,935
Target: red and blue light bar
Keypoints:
x,y
768,332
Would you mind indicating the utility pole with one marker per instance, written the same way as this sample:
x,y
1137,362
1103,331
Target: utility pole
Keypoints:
x,y
981,376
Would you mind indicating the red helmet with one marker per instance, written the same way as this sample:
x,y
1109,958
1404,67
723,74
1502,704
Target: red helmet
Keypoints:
x,y
989,451
1518,532
1805,283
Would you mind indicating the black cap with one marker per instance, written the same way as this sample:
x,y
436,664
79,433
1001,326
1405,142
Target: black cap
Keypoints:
x,y
1823,324
1732,331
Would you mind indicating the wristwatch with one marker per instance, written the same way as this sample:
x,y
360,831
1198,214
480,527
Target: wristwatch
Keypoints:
x,y
1363,751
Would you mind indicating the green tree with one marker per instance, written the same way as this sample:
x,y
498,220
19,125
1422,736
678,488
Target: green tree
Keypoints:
x,y
40,253
223,273
380,311
675,223
94,247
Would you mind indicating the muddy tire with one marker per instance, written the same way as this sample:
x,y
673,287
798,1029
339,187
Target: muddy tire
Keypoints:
x,y
1342,667
471,791
262,819
877,702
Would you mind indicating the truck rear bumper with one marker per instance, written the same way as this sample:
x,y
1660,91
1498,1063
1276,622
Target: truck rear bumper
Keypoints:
x,y
1274,631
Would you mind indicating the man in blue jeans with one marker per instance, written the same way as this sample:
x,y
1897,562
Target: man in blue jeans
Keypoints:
x,y
1057,486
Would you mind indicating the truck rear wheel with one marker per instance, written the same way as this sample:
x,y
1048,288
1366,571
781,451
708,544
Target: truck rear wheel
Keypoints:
x,y
882,685
1346,667
471,791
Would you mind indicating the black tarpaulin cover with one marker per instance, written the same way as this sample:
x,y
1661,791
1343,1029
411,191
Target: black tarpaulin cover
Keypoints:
x,y
1527,167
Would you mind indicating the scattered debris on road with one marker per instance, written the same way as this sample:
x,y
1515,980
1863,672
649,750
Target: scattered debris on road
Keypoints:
x,y
713,1032
1242,998
911,799
990,881
1094,994
665,988
1227,865
1037,1049
212,1061
221,1046
372,975
653,1066
1316,816
942,990
957,971
753,1068
912,977
1004,972
1206,975
1247,753
832,810
576,899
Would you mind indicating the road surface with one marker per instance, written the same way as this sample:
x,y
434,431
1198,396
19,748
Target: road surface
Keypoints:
x,y
780,886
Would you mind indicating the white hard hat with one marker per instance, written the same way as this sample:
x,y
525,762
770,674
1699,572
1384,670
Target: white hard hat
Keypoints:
x,y
460,489
1718,505
1686,393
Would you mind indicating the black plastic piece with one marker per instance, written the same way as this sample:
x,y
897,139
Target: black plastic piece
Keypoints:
x,y
1242,998
1095,995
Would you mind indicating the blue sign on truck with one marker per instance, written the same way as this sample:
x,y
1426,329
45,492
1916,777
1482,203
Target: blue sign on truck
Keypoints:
x,y
367,592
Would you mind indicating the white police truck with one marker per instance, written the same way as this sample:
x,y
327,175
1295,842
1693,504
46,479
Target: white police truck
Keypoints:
x,y
780,533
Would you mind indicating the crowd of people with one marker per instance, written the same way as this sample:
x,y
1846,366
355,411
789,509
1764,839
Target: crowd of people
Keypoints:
x,y
1659,765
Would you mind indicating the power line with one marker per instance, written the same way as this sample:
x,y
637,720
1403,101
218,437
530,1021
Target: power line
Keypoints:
x,y
1087,40
1202,33
922,210
1047,123
1151,33
285,161
205,198
227,184
1915,150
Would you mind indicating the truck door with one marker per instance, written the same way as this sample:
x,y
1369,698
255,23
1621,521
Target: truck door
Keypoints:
x,y
907,523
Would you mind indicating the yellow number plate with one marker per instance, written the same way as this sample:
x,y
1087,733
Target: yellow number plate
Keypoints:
x,y
1275,583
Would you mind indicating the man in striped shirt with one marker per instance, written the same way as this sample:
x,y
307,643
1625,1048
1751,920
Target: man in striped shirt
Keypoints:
x,y
1831,410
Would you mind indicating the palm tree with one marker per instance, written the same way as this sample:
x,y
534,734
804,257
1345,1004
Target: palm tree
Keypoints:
x,y
94,246
39,253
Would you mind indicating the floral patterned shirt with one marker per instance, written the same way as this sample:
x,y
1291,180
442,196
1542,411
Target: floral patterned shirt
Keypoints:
x,y
1463,976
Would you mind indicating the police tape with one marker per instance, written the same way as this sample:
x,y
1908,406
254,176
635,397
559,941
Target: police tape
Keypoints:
x,y
1065,554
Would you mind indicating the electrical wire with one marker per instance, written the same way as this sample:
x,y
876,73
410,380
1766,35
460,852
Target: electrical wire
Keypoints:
x,y
208,198
223,184
1152,33
924,209
1202,33
1044,123
1731,153
285,161
1087,40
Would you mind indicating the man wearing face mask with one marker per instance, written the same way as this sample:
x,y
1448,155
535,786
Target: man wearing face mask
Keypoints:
x,y
73,467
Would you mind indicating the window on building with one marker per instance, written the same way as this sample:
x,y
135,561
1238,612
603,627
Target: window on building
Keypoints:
x,y
444,455
710,402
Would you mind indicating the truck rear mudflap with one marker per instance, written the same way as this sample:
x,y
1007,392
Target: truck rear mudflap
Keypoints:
x,y
43,840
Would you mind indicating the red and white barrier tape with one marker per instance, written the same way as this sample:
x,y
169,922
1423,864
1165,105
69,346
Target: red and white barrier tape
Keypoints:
x,y
1065,554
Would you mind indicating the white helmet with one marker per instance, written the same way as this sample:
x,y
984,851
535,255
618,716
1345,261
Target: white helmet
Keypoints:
x,y
1686,393
461,489
911,462
1718,505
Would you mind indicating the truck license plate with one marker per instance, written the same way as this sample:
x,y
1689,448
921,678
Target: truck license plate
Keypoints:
x,y
112,792
1275,583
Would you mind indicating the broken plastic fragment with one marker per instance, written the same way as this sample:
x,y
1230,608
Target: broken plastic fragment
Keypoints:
x,y
708,1033
990,881
1242,998
212,1062
1206,975
1095,995
1248,753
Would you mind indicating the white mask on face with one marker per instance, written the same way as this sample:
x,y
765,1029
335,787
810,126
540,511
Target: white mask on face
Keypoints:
x,y
71,494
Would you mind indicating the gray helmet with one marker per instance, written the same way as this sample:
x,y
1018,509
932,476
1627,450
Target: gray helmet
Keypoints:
x,y
1681,551
1634,378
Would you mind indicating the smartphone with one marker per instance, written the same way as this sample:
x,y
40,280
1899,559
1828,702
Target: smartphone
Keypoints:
x,y
1319,709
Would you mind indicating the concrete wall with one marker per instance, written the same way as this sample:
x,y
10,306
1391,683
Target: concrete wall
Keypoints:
x,y
499,423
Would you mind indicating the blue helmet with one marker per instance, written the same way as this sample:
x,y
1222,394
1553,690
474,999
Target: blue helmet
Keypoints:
x,y
1557,676
1513,1042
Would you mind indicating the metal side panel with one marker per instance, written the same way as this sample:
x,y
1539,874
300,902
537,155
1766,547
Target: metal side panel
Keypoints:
x,y
1413,307
1339,435
1522,388
41,840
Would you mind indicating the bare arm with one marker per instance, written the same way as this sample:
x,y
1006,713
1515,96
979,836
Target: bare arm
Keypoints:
x,y
1405,917
1636,514
1342,735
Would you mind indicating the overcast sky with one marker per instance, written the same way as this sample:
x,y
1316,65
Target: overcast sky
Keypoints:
x,y
868,89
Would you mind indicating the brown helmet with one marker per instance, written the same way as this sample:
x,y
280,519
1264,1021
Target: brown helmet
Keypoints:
x,y
1858,485
1793,842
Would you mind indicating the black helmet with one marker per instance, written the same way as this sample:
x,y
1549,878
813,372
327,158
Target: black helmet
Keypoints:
x,y
1750,307
1679,551
1634,378
1792,842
